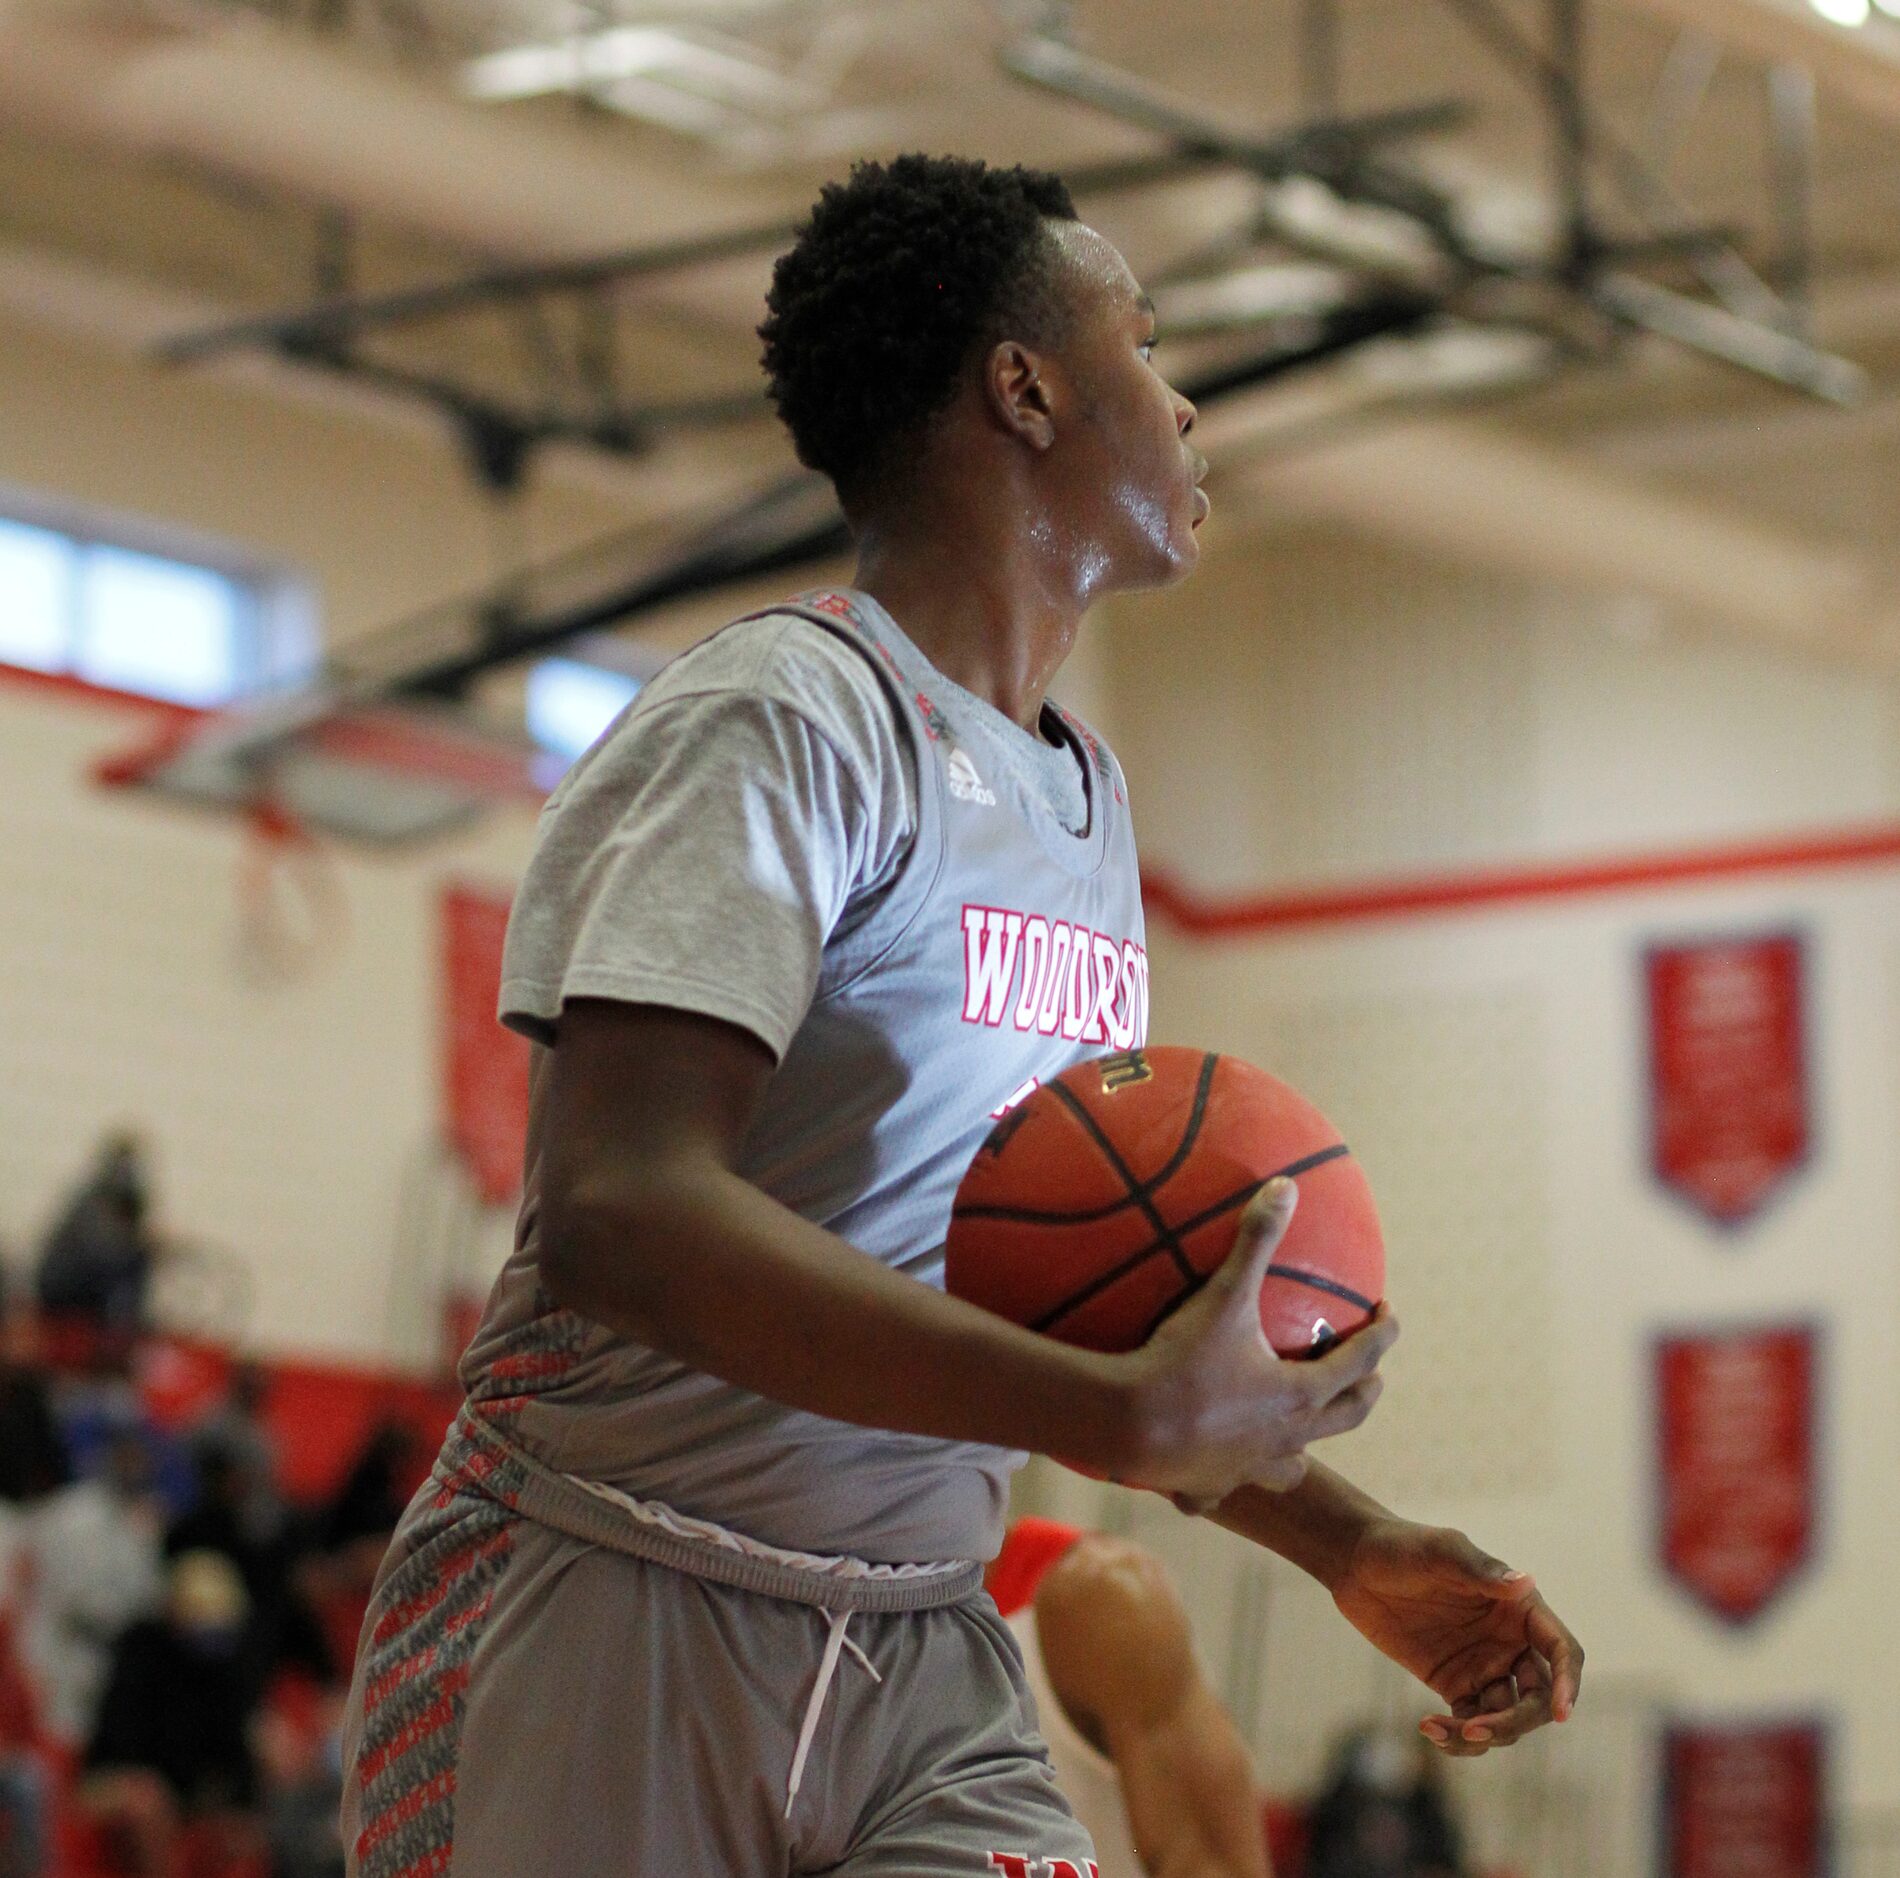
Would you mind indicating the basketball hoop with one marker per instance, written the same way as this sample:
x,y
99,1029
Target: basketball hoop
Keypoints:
x,y
293,912
306,771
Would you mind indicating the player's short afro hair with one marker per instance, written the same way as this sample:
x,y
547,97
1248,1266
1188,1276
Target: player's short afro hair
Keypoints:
x,y
897,277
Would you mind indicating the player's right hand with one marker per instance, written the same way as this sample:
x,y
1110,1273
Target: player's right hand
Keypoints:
x,y
1216,1408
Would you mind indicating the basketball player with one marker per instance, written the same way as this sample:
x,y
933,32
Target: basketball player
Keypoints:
x,y
696,1586
1141,1747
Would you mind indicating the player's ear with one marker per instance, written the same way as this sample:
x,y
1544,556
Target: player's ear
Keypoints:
x,y
1016,393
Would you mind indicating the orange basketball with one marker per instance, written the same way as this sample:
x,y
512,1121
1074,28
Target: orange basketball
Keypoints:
x,y
1109,1196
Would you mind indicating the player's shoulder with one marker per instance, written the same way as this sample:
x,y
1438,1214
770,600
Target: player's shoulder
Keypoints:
x,y
1110,1574
1113,1631
781,660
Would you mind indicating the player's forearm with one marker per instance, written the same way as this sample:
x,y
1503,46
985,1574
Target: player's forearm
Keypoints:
x,y
1314,1525
705,1267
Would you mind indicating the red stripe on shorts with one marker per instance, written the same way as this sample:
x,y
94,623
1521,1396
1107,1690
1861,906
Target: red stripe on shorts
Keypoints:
x,y
456,1566
399,1812
379,1689
430,1721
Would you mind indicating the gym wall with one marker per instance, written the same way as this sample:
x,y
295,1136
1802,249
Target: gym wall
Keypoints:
x,y
285,1119
1313,711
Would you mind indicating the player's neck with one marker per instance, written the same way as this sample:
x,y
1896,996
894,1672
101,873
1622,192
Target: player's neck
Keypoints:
x,y
976,604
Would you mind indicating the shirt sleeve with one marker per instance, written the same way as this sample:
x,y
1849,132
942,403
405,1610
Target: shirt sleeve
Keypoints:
x,y
698,860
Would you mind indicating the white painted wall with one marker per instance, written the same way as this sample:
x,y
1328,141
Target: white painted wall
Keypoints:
x,y
284,1117
1311,710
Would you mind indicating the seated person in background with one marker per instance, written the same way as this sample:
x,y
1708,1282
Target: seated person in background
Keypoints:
x,y
236,1426
1142,1749
1382,1812
94,1553
171,1745
371,1498
251,1530
32,1455
23,1770
301,1758
100,1403
97,1261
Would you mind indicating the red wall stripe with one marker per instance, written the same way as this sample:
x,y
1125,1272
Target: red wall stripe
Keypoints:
x,y
1392,898
1208,917
83,691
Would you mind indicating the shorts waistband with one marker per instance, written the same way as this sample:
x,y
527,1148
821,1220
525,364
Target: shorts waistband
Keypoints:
x,y
649,1530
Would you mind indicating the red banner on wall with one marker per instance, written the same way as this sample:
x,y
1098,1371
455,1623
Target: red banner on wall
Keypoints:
x,y
1728,1071
1745,1800
1736,1449
485,1070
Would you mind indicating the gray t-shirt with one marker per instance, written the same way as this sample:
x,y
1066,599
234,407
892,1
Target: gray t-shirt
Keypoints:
x,y
804,829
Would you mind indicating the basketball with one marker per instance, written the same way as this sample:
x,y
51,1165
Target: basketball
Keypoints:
x,y
1110,1195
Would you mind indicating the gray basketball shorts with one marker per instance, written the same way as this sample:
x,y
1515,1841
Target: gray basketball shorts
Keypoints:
x,y
530,1702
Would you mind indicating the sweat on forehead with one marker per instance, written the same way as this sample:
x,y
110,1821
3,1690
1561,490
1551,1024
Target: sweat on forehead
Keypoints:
x,y
1095,261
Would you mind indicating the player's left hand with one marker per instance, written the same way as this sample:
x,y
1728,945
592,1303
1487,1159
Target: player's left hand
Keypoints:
x,y
1469,1627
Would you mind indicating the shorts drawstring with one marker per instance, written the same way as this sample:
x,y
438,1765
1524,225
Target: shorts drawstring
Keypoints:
x,y
835,1646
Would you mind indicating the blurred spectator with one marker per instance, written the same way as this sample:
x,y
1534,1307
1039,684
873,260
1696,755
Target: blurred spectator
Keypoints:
x,y
24,1783
94,1553
1382,1812
97,1261
243,1521
302,1760
102,1405
170,1747
350,1534
32,1456
370,1501
237,1427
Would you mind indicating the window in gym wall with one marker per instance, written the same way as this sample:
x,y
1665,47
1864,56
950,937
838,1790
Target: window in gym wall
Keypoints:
x,y
118,609
570,702
35,596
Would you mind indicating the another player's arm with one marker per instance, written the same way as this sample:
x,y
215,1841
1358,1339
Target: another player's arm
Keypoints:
x,y
646,1228
1477,1633
1116,1643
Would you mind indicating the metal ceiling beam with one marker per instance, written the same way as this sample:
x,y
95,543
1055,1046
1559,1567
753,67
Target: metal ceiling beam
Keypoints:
x,y
128,316
286,111
1859,65
1718,331
793,523
341,317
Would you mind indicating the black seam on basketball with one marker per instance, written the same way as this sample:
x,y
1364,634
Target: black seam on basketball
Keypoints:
x,y
1194,1281
1036,1216
1096,1286
1317,1283
1203,1087
1166,1235
1307,1162
1135,1260
1137,1191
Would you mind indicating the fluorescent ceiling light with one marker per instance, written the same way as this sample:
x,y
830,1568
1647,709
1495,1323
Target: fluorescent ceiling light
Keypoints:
x,y
576,64
1454,359
570,704
1842,12
634,67
1275,291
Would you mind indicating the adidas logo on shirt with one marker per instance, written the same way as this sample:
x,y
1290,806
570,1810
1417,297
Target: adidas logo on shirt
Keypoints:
x,y
965,784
